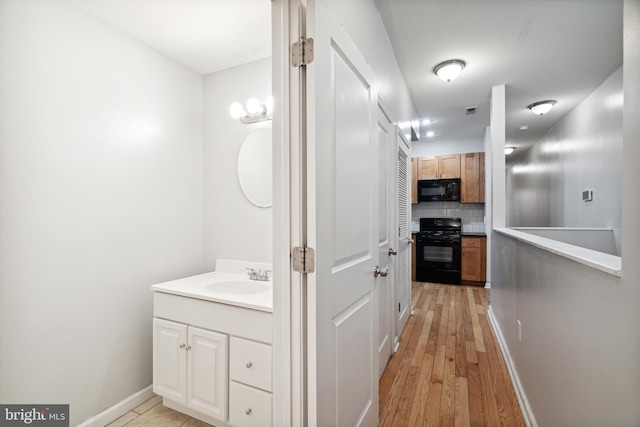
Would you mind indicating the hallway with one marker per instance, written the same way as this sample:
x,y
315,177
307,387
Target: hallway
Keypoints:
x,y
448,369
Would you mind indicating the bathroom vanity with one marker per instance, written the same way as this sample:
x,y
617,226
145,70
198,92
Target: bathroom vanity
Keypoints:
x,y
212,354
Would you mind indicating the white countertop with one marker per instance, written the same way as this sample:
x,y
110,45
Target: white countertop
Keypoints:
x,y
197,287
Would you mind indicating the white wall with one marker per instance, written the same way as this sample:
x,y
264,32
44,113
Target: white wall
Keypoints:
x,y
440,148
101,189
234,228
582,152
578,359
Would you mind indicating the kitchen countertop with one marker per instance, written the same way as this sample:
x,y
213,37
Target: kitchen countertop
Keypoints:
x,y
473,234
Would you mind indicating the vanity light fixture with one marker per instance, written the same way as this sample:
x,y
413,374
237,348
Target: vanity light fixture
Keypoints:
x,y
541,107
449,70
509,150
253,111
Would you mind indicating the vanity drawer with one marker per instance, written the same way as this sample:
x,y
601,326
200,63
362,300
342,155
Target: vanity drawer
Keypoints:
x,y
249,407
251,363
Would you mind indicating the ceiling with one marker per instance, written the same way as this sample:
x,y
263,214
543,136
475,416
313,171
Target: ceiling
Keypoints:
x,y
539,49
204,35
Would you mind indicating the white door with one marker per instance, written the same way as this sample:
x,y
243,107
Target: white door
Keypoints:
x,y
342,226
207,378
170,360
384,286
403,212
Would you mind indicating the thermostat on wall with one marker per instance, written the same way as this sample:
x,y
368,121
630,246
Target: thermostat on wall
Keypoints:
x,y
587,195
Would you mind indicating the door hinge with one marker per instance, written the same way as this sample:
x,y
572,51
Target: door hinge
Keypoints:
x,y
302,52
303,259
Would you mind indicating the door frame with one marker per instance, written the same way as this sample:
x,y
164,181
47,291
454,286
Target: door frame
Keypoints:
x,y
289,385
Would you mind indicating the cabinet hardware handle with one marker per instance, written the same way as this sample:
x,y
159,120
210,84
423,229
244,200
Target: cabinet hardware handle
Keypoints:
x,y
249,364
248,411
188,347
392,252
182,345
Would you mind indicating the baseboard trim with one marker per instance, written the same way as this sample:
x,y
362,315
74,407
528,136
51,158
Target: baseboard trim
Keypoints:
x,y
487,285
119,409
527,413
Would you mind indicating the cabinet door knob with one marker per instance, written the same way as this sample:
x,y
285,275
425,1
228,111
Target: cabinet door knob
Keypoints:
x,y
188,347
248,411
249,365
182,345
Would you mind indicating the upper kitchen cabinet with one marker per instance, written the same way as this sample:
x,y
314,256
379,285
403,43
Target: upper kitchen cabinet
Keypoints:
x,y
414,180
472,171
439,167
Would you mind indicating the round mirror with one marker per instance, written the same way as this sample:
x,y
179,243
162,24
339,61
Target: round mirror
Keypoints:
x,y
254,167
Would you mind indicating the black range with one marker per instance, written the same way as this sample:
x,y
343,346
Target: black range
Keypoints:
x,y
438,250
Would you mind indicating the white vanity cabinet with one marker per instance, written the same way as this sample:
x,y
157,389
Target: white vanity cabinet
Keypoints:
x,y
213,361
251,380
190,367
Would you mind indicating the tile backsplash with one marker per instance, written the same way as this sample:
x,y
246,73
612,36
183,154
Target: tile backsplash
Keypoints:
x,y
472,214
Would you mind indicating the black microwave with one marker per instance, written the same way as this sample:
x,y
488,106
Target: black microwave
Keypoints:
x,y
439,190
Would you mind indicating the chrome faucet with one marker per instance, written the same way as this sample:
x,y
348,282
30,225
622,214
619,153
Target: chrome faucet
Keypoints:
x,y
258,275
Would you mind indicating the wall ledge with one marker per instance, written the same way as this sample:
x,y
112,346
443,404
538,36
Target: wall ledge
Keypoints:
x,y
606,263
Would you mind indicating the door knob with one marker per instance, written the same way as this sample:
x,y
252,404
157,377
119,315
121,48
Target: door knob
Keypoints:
x,y
377,271
392,252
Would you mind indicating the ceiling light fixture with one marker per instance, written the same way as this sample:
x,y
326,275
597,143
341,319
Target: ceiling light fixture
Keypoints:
x,y
430,134
541,107
449,70
509,150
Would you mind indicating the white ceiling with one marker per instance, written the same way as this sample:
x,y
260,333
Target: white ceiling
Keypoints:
x,y
204,35
540,49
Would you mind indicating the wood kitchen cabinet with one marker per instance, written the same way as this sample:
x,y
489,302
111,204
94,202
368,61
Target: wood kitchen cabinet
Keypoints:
x,y
414,180
474,260
439,167
472,178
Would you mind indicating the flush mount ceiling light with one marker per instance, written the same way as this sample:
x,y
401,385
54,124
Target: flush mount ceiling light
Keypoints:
x,y
449,70
509,150
541,107
253,112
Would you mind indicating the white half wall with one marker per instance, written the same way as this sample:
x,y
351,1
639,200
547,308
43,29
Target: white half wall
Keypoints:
x,y
580,326
234,228
101,189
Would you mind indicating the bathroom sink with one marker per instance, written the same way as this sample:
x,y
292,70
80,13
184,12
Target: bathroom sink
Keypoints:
x,y
239,287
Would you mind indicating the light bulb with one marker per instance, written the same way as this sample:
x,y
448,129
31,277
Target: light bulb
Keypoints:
x,y
508,150
236,110
253,106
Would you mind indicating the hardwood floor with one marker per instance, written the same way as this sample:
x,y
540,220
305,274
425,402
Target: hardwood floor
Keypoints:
x,y
448,369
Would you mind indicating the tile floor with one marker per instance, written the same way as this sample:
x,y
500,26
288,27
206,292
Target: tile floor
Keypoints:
x,y
152,414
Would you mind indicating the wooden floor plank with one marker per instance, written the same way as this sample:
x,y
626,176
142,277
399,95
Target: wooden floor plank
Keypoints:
x,y
448,369
462,403
477,330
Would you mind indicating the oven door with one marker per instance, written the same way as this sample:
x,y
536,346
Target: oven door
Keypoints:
x,y
438,261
